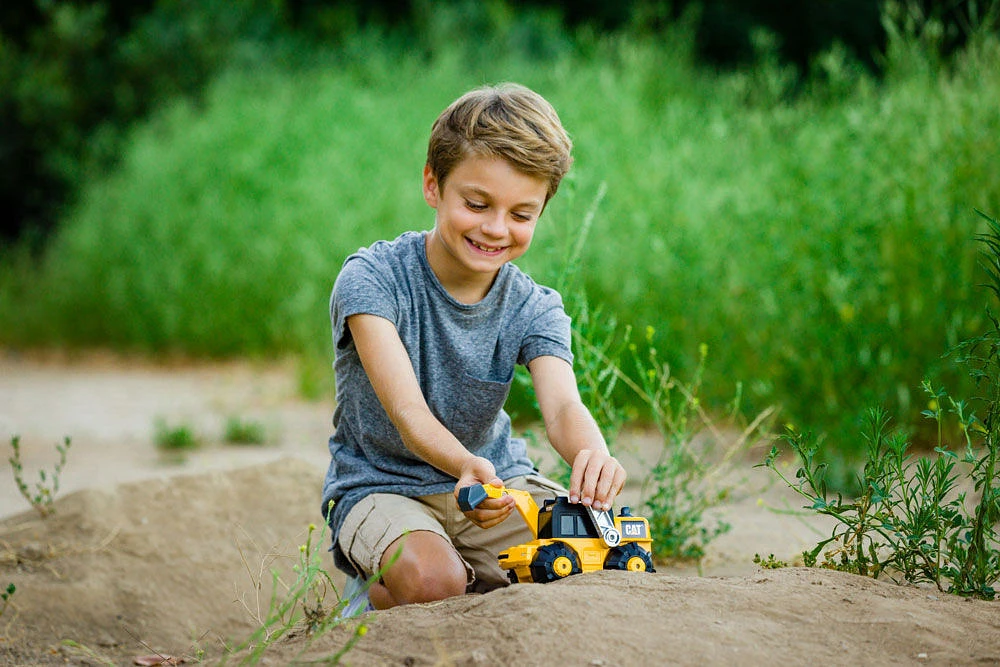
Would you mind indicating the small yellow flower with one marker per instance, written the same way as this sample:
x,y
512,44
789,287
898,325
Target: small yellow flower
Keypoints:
x,y
703,350
362,630
650,332
760,502
312,527
932,405
302,548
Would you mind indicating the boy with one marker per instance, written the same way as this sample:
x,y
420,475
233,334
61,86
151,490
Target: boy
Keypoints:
x,y
427,330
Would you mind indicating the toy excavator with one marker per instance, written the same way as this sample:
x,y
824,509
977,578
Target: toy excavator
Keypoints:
x,y
569,537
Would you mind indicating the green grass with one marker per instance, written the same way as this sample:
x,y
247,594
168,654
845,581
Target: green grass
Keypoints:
x,y
241,431
817,242
170,437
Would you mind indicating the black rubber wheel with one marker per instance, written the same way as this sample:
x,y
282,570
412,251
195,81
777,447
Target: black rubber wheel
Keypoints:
x,y
630,557
512,576
553,561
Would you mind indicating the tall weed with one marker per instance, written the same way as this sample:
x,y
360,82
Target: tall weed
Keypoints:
x,y
302,605
926,518
623,380
42,498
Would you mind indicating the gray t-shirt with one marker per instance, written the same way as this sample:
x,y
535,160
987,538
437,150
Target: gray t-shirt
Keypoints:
x,y
463,356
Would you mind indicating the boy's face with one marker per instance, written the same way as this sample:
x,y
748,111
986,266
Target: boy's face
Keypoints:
x,y
486,215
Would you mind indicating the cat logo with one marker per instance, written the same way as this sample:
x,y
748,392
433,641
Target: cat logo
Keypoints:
x,y
634,529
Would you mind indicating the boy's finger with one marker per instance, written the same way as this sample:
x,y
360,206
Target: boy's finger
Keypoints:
x,y
589,489
487,518
577,476
610,485
501,503
492,509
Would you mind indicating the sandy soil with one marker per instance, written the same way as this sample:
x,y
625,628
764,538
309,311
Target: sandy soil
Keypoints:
x,y
150,555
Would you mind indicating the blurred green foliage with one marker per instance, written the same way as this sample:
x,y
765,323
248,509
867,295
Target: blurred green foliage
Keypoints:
x,y
814,233
75,74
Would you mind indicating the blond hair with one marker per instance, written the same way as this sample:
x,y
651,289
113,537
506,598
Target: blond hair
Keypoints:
x,y
508,121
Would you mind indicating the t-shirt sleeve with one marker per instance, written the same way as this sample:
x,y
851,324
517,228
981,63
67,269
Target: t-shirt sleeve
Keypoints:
x,y
549,333
362,286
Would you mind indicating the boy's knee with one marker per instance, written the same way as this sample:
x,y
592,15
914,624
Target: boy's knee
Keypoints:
x,y
431,583
426,573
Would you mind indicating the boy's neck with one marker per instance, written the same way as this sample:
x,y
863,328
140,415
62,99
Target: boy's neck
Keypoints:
x,y
464,286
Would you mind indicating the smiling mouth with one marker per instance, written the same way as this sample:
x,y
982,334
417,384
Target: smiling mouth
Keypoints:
x,y
492,250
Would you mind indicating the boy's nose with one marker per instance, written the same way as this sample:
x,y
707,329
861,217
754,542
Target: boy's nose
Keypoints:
x,y
495,225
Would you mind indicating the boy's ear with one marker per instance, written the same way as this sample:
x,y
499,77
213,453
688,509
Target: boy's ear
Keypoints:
x,y
432,192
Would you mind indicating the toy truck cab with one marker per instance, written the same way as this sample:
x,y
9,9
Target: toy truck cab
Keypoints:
x,y
560,519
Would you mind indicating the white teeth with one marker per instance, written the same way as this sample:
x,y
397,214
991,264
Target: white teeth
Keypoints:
x,y
483,247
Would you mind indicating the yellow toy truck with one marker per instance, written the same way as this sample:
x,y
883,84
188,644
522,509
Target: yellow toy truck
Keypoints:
x,y
569,537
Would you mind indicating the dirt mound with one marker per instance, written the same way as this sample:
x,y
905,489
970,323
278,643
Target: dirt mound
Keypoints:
x,y
790,616
153,565
170,566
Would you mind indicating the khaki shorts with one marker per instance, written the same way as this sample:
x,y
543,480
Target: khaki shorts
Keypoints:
x,y
380,519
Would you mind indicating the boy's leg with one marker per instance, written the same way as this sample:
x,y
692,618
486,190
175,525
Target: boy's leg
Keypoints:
x,y
405,540
420,566
480,547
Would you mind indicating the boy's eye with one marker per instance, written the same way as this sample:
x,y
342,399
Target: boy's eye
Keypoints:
x,y
475,206
521,217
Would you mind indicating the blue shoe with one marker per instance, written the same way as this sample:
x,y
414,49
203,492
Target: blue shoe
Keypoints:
x,y
356,595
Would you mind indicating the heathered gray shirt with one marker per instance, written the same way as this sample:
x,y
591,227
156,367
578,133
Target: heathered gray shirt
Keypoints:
x,y
463,356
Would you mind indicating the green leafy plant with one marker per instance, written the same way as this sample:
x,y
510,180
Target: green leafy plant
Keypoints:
x,y
244,432
174,437
909,521
975,566
6,596
897,520
769,563
47,486
911,518
680,487
673,492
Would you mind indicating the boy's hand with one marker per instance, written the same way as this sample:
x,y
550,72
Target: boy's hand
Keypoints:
x,y
491,511
596,480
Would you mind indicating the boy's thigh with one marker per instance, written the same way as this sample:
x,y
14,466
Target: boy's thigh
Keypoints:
x,y
378,520
480,547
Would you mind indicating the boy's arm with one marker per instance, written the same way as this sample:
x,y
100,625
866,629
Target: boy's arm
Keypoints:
x,y
391,374
597,477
